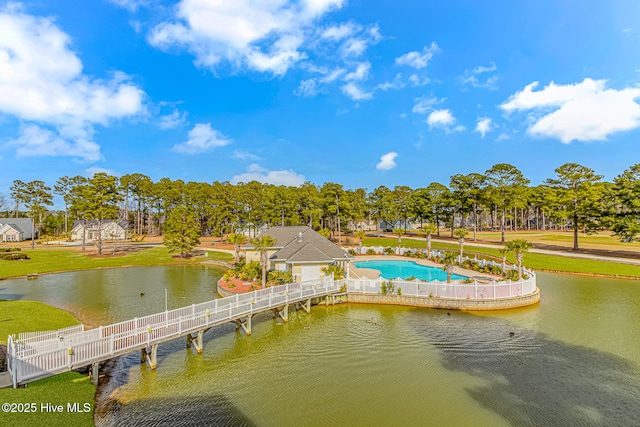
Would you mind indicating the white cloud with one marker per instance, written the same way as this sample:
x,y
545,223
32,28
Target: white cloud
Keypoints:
x,y
355,93
472,78
131,5
397,83
256,172
443,119
627,30
424,104
339,32
202,138
416,59
245,155
307,88
584,111
41,83
90,172
333,75
265,36
483,126
37,141
503,137
360,73
387,161
415,80
173,120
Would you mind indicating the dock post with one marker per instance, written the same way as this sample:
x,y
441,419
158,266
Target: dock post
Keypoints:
x,y
152,357
306,306
95,373
189,340
143,355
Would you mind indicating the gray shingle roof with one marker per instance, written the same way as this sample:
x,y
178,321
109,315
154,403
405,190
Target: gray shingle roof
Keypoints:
x,y
23,225
283,235
313,247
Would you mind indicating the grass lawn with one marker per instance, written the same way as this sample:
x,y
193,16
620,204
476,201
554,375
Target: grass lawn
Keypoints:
x,y
70,387
531,260
44,260
29,316
602,240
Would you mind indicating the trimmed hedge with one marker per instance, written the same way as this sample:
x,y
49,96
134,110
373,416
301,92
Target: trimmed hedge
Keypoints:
x,y
10,249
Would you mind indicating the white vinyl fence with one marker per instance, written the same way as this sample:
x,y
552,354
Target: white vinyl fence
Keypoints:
x,y
38,355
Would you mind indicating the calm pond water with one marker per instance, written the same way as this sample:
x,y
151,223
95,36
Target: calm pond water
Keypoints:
x,y
574,359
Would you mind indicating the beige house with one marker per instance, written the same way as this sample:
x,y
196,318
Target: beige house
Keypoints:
x,y
110,229
16,229
302,251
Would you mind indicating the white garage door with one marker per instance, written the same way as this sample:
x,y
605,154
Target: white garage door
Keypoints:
x,y
310,272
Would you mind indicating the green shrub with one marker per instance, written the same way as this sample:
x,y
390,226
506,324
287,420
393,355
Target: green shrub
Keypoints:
x,y
352,252
511,275
399,291
10,249
371,252
389,251
13,256
251,271
238,266
275,277
410,278
338,272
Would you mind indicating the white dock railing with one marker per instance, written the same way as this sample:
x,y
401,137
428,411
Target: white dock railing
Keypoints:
x,y
43,354
476,290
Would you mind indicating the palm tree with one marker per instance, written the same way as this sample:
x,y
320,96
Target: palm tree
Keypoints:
x,y
237,239
519,247
461,233
262,244
428,230
504,251
449,261
360,234
398,231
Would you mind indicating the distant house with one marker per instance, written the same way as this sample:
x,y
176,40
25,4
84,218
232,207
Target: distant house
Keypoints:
x,y
302,251
110,230
408,224
16,229
251,230
363,225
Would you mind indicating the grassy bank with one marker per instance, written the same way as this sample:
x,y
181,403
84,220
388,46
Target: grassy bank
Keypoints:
x,y
29,316
64,259
67,388
535,261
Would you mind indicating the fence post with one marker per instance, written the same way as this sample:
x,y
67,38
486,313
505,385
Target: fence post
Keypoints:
x,y
493,284
510,286
475,287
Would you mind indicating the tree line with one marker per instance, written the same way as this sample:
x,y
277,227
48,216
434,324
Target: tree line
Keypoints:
x,y
501,198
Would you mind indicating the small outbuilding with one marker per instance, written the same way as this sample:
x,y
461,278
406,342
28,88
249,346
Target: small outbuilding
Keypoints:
x,y
302,251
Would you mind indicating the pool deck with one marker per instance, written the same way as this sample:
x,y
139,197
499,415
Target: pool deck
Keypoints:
x,y
369,273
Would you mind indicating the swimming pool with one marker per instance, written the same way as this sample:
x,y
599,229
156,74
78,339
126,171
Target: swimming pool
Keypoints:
x,y
406,269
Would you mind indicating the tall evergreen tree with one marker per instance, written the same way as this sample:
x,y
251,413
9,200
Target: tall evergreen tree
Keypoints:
x,y
580,194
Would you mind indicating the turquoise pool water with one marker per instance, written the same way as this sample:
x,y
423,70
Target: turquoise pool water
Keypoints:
x,y
406,269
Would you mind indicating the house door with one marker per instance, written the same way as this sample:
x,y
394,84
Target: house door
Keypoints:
x,y
310,272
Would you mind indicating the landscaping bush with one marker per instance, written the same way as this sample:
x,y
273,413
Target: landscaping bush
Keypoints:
x,y
352,252
275,277
13,257
251,271
511,275
389,251
371,252
10,249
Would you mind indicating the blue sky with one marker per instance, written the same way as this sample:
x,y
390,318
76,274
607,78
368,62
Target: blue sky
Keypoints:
x,y
363,93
